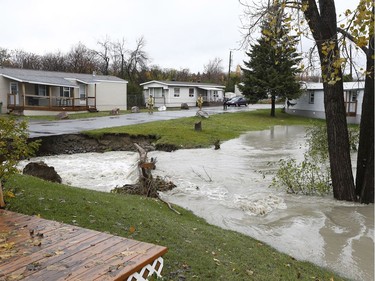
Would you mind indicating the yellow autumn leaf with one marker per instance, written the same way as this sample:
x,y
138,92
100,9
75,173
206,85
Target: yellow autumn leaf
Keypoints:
x,y
127,253
6,256
58,253
15,277
332,82
9,194
7,246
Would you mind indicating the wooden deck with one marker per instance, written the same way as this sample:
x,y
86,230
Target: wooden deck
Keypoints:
x,y
32,248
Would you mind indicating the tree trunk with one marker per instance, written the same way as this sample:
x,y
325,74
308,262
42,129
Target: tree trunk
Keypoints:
x,y
338,143
323,25
273,105
144,165
365,160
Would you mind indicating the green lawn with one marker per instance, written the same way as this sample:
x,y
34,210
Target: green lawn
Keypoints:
x,y
181,133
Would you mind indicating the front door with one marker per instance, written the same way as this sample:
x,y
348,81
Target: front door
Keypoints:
x,y
14,97
82,94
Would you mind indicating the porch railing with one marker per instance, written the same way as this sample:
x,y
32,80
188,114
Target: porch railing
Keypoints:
x,y
15,101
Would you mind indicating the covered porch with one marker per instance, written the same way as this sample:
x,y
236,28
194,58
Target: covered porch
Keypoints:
x,y
41,98
211,96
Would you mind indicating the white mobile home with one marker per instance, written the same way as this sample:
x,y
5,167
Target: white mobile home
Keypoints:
x,y
311,102
175,93
35,92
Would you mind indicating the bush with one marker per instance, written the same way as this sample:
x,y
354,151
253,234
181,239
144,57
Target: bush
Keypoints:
x,y
312,176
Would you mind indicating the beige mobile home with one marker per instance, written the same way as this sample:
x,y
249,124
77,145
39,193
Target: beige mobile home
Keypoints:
x,y
35,92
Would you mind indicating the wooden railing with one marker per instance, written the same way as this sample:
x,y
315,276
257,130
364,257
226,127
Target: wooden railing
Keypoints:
x,y
36,102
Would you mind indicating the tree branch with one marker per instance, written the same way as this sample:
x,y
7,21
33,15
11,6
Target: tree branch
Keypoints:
x,y
351,38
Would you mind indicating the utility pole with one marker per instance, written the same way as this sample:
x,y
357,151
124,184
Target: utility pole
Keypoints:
x,y
228,79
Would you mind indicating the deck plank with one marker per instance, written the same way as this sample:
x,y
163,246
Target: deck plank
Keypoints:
x,y
32,248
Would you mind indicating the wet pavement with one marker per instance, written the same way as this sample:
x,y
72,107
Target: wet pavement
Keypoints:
x,y
39,128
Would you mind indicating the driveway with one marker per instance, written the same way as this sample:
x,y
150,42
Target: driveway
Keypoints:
x,y
39,128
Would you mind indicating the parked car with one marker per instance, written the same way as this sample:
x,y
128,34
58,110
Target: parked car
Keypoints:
x,y
236,101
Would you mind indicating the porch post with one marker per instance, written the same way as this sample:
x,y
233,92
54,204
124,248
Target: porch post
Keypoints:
x,y
73,99
23,94
87,96
50,97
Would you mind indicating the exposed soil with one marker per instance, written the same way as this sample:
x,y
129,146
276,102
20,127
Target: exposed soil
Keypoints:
x,y
80,143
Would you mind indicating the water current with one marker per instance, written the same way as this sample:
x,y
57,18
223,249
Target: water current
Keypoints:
x,y
227,188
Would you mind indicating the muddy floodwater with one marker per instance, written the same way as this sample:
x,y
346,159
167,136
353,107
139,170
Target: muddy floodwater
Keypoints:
x,y
227,188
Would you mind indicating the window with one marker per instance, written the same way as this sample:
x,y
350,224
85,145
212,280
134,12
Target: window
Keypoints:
x,y
176,92
82,92
354,95
216,94
14,88
311,97
42,90
65,92
191,92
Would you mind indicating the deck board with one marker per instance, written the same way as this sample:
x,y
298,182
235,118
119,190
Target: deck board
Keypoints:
x,y
32,248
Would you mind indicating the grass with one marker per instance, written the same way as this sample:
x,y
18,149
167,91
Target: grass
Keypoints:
x,y
72,116
197,250
181,133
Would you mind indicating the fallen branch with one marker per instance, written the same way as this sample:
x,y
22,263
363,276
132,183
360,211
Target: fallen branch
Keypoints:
x,y
169,205
201,177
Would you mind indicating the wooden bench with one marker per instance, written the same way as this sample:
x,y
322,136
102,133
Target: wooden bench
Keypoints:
x,y
32,248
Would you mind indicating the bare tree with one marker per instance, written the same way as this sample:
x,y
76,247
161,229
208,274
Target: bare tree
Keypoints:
x,y
22,59
54,62
214,71
81,59
4,57
137,60
104,55
118,58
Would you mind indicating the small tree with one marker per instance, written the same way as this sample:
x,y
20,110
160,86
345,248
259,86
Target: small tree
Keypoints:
x,y
272,68
13,147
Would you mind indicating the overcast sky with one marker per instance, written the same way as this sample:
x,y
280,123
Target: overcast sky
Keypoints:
x,y
178,33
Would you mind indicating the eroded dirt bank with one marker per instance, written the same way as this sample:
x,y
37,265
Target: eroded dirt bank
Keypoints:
x,y
80,143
